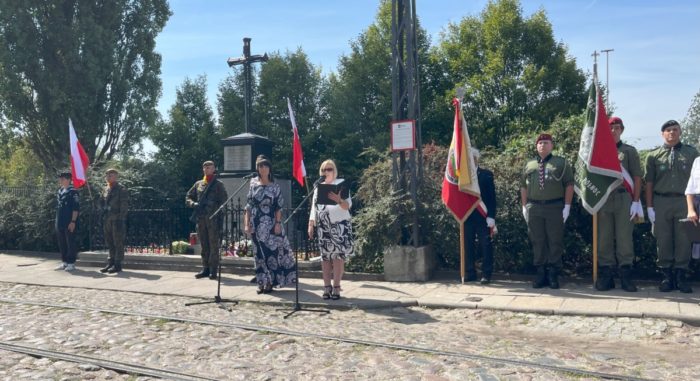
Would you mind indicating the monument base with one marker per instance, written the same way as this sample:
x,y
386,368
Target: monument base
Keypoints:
x,y
409,264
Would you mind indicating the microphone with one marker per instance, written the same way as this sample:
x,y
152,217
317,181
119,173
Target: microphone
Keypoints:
x,y
250,175
320,180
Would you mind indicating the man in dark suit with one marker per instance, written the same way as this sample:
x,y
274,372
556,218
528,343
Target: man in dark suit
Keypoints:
x,y
481,226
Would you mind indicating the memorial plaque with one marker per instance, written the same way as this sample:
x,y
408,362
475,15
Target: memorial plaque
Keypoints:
x,y
237,158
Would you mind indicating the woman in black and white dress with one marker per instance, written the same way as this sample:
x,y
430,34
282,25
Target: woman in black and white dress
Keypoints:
x,y
333,230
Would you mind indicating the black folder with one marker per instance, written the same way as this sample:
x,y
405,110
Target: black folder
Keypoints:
x,y
324,189
691,231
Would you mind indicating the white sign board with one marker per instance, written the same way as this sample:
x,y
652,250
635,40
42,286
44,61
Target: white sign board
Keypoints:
x,y
403,135
237,158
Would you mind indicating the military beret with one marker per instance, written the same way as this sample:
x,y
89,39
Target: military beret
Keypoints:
x,y
670,123
543,137
110,171
65,175
616,120
207,163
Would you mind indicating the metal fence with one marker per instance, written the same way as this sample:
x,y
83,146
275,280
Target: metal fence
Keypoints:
x,y
154,229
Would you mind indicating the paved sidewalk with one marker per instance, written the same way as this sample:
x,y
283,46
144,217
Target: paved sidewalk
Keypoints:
x,y
572,299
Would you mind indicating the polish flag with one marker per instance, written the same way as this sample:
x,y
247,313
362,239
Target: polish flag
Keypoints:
x,y
298,168
78,159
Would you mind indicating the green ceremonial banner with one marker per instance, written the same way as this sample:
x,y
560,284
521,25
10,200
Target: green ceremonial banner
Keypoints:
x,y
598,170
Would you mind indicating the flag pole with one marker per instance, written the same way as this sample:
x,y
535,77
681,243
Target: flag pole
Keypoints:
x,y
595,247
462,252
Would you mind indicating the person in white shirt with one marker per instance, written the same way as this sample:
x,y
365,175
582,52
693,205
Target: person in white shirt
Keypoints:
x,y
333,230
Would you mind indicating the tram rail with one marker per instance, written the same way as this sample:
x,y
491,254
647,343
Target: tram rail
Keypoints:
x,y
141,370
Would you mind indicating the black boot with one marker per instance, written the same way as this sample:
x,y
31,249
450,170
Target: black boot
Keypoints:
x,y
626,279
541,278
115,269
108,267
202,274
682,283
667,282
553,276
605,279
212,274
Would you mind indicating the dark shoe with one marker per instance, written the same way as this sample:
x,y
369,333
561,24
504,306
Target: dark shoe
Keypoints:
x,y
260,289
626,279
667,281
541,278
202,274
327,290
268,288
682,283
605,281
485,279
115,269
336,293
212,276
107,267
553,277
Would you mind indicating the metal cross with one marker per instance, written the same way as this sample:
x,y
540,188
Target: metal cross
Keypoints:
x,y
246,61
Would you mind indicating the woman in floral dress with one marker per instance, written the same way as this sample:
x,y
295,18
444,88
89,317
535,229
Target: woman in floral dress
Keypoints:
x,y
274,263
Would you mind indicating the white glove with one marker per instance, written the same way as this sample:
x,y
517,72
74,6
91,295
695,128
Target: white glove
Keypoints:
x,y
565,212
652,215
490,222
525,212
636,210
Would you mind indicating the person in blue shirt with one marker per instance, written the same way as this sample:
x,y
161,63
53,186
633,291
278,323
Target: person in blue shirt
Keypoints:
x,y
67,212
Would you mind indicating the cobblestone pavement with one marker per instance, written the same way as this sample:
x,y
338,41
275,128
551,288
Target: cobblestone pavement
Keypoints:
x,y
647,348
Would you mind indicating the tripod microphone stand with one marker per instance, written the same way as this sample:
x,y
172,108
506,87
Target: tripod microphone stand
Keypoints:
x,y
297,306
217,298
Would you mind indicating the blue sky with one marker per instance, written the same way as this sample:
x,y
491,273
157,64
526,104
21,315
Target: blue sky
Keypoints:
x,y
654,70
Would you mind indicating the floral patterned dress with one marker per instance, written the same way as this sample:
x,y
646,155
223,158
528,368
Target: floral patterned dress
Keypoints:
x,y
274,262
335,238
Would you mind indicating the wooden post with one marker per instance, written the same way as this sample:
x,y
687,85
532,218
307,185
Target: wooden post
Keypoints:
x,y
595,247
462,251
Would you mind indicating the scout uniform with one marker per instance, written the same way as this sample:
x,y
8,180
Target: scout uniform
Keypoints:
x,y
546,181
668,169
115,201
68,202
615,228
207,229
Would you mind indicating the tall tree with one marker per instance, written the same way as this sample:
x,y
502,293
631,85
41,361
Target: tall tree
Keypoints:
x,y
518,78
91,61
691,122
189,136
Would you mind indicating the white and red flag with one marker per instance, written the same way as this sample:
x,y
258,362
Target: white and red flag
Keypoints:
x,y
79,161
460,185
298,168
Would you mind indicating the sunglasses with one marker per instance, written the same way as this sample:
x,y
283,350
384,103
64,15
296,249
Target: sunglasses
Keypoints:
x,y
328,169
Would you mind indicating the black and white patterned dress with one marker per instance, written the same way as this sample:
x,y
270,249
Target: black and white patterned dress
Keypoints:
x,y
274,262
335,239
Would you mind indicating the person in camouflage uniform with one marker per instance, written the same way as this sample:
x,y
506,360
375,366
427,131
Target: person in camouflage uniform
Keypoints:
x,y
667,172
546,190
206,196
615,219
115,201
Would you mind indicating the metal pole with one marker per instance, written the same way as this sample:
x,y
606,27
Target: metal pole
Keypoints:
x,y
607,76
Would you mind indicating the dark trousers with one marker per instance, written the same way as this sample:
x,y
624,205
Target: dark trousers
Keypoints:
x,y
475,228
67,245
115,232
208,233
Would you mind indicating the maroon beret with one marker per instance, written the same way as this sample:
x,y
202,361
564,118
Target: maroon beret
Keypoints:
x,y
543,137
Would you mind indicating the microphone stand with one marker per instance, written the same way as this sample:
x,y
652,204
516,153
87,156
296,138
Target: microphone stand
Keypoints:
x,y
297,306
217,297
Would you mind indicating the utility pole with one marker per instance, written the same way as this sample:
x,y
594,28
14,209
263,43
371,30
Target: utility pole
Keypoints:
x,y
247,60
607,78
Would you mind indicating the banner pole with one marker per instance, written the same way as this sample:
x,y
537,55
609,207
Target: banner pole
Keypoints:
x,y
462,252
595,247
